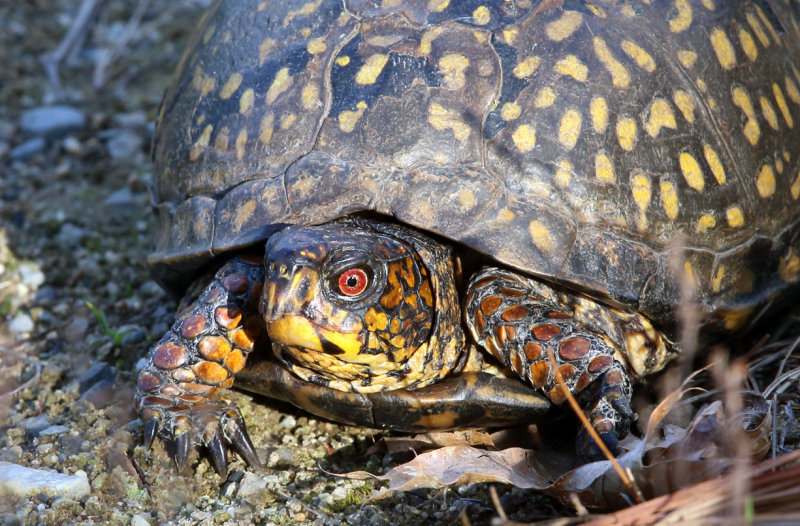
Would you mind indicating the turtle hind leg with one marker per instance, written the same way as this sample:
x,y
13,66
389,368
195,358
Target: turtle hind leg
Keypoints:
x,y
179,390
522,321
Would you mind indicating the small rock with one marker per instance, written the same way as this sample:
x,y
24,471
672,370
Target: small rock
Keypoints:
x,y
72,145
51,122
53,430
21,324
339,493
97,373
288,422
133,335
150,288
139,520
45,294
76,329
121,197
100,394
27,482
280,458
134,119
140,364
27,149
34,425
70,236
31,275
124,145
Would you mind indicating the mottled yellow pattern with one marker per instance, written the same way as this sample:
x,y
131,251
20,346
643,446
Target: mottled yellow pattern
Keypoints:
x,y
603,169
545,98
619,75
541,236
705,223
766,181
714,163
572,66
748,44
787,115
639,55
524,137
526,67
723,48
734,216
570,129
371,69
683,19
669,199
565,26
230,86
685,103
660,116
691,171
626,133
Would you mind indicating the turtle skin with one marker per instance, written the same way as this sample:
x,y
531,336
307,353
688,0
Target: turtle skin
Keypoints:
x,y
595,154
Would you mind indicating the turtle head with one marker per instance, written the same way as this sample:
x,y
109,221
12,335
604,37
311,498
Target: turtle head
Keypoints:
x,y
355,308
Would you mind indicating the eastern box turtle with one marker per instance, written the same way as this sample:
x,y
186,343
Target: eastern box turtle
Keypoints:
x,y
452,191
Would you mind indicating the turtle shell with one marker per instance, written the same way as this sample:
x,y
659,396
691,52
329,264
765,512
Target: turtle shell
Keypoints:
x,y
607,146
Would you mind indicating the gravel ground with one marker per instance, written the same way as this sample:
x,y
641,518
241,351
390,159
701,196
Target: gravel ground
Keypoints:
x,y
75,293
80,308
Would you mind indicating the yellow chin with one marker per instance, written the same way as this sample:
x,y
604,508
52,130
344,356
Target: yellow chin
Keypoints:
x,y
297,331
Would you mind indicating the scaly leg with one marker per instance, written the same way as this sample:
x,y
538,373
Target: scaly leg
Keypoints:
x,y
179,391
518,319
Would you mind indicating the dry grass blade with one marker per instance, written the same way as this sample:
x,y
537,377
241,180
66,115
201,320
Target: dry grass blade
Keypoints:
x,y
774,498
629,482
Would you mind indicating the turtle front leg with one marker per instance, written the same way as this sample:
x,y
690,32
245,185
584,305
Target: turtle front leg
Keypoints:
x,y
179,391
518,319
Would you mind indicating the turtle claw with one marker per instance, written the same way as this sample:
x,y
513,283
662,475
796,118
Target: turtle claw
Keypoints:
x,y
235,433
150,431
219,454
182,446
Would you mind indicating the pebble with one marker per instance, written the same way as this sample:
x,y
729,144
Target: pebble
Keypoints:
x,y
124,144
21,324
27,482
339,493
134,119
45,294
133,334
76,329
96,373
51,122
251,484
35,425
70,236
27,149
138,520
288,422
280,458
30,275
100,394
121,197
72,145
53,430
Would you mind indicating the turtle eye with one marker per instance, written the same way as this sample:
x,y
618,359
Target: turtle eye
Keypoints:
x,y
353,282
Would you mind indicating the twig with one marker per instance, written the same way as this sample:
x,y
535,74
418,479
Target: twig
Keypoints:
x,y
74,36
631,484
497,505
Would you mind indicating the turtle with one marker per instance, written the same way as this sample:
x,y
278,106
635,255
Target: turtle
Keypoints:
x,y
413,215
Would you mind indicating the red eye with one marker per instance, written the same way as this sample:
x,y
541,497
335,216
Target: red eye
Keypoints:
x,y
353,282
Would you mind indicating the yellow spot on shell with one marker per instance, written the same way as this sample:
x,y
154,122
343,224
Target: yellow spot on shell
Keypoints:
x,y
669,199
221,140
572,66
787,115
691,171
241,142
279,85
660,116
441,119
687,58
789,267
288,120
685,103
709,4
265,128
714,163
626,133
704,223
751,129
466,198
510,35
716,283
795,188
541,236
779,165
231,85
437,6
246,100
766,22
565,26
342,60
348,118
639,55
524,137
570,129
791,90
427,39
598,109
603,169
201,143
748,44
481,15
766,181
734,216
619,75
545,97
452,67
642,192
683,19
371,69
510,111
310,96
526,67
264,49
563,174
202,82
758,30
243,214
304,10
316,45
723,48
769,112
